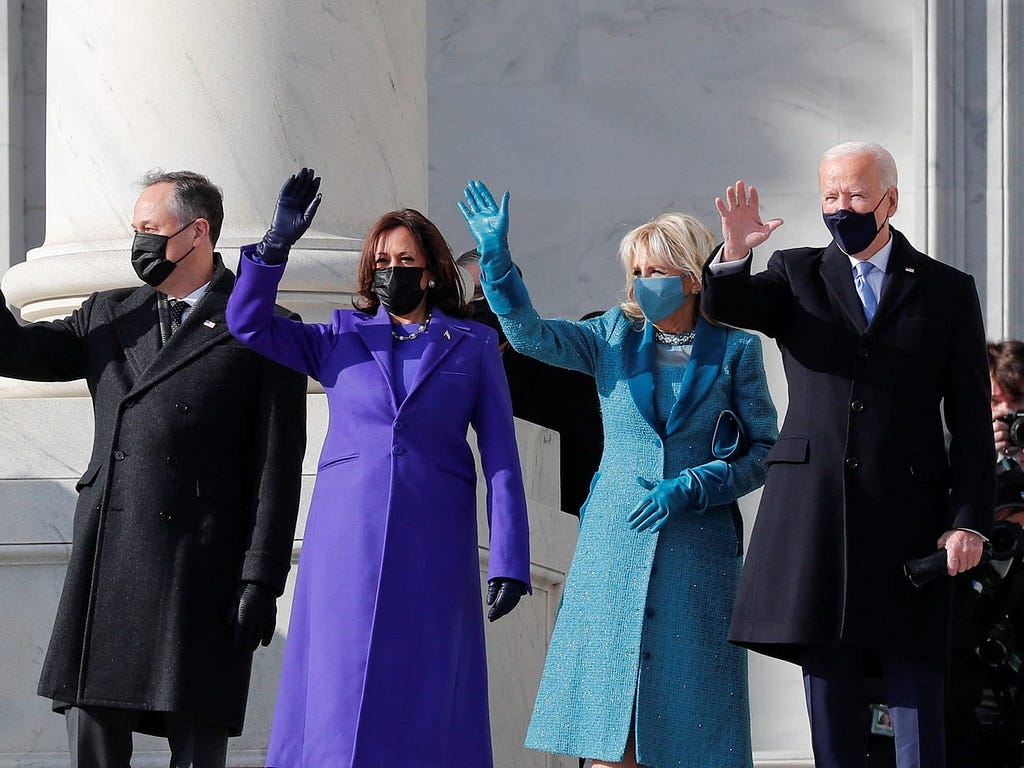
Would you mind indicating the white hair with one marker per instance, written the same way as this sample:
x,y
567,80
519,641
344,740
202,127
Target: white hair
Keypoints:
x,y
886,165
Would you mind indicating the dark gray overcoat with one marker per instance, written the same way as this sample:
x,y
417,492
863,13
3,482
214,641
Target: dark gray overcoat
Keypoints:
x,y
860,479
192,487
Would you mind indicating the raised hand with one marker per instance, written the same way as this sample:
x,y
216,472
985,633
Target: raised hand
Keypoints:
x,y
296,205
742,228
488,224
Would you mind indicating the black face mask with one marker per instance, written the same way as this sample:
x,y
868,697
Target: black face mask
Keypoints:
x,y
398,288
149,255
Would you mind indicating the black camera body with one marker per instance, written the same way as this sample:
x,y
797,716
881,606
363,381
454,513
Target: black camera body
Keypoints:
x,y
1015,422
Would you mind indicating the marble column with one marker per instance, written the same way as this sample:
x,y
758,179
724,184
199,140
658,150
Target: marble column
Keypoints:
x,y
245,94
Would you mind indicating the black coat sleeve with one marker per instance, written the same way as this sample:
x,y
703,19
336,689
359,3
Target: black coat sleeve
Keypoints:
x,y
44,351
281,447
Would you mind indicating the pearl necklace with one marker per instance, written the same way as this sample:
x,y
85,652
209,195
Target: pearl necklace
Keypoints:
x,y
674,338
423,327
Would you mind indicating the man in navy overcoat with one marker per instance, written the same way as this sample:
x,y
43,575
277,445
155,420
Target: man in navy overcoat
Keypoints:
x,y
882,346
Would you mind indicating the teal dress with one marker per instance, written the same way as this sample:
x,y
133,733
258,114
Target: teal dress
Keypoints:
x,y
640,639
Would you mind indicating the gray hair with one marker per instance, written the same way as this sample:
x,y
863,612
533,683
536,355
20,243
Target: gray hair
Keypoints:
x,y
883,160
195,197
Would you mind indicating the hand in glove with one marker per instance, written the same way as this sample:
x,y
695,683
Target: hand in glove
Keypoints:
x,y
669,497
255,616
503,595
488,224
296,206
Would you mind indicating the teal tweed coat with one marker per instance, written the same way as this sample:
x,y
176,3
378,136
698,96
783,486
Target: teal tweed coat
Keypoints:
x,y
642,627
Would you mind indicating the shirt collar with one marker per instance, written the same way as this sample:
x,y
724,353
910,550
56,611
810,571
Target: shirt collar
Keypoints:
x,y
193,298
880,260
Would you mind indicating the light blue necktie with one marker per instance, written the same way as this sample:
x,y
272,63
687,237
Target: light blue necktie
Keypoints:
x,y
864,290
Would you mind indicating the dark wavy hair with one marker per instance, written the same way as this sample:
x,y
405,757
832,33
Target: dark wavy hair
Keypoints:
x,y
447,293
1006,364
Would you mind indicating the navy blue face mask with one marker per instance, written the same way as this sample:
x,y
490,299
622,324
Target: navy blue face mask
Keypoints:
x,y
853,232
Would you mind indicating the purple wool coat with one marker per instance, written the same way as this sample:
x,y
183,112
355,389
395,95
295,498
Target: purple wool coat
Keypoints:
x,y
384,663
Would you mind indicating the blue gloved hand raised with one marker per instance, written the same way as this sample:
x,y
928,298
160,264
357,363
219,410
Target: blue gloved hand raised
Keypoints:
x,y
296,206
672,496
488,224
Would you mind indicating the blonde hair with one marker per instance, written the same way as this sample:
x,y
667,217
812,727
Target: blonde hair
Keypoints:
x,y
675,240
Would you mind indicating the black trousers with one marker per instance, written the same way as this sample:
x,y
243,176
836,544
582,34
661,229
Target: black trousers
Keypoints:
x,y
101,737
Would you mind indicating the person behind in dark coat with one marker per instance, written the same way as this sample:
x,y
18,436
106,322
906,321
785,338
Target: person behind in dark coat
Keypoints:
x,y
985,713
186,512
555,398
879,343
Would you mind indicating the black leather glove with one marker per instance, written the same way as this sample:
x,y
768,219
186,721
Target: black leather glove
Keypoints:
x,y
296,206
255,616
503,595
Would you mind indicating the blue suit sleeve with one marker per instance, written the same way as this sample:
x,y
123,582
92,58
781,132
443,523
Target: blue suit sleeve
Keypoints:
x,y
251,319
563,343
723,482
499,460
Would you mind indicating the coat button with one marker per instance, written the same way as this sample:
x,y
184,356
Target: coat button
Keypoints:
x,y
650,613
863,353
647,655
399,426
397,450
851,462
118,455
857,406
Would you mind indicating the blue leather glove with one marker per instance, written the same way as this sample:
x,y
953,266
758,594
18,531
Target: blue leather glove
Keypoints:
x,y
254,617
488,224
503,595
296,206
669,497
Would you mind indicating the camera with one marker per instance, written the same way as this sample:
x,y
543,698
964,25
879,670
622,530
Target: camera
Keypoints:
x,y
1015,422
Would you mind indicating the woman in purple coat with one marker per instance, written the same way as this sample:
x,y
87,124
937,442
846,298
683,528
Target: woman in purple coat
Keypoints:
x,y
384,662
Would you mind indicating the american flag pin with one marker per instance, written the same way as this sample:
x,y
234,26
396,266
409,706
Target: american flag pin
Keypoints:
x,y
447,335
209,324
909,269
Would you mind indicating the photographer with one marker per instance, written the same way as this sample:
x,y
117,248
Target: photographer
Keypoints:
x,y
1006,369
985,719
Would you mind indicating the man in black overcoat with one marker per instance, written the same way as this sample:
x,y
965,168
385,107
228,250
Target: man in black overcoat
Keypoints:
x,y
881,346
186,513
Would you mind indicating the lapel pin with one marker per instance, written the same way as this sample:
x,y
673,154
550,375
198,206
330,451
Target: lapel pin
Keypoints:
x,y
447,335
909,269
209,324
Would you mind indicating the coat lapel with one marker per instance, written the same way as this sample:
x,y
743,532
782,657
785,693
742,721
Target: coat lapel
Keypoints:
x,y
204,327
902,276
640,373
376,335
442,337
704,366
838,276
138,330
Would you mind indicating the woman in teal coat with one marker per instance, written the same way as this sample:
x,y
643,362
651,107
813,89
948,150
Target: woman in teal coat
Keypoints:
x,y
639,671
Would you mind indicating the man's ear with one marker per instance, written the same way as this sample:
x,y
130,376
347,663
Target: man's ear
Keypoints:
x,y
202,230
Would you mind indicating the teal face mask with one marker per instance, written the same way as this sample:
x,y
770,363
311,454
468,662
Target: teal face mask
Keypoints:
x,y
659,297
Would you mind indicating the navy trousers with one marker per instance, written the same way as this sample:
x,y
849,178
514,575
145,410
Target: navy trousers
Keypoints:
x,y
835,683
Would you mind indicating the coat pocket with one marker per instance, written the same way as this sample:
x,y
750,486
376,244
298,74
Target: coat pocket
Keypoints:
x,y
328,463
89,476
789,450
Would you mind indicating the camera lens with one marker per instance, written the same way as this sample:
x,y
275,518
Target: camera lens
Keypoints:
x,y
1016,430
